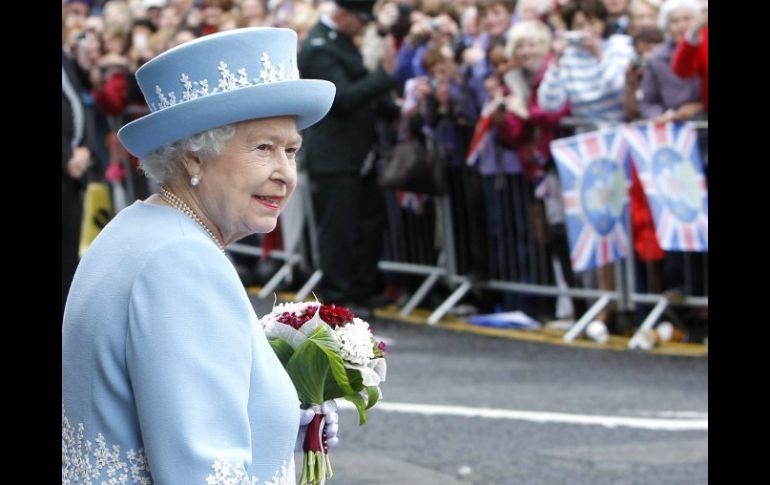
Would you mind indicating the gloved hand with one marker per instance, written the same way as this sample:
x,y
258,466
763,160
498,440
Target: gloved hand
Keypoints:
x,y
331,420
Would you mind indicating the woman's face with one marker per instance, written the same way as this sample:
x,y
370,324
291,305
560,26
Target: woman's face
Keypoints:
x,y
180,38
531,53
704,10
496,20
244,189
615,7
169,19
115,13
679,22
252,9
441,72
212,15
643,16
528,9
443,30
492,87
588,25
114,44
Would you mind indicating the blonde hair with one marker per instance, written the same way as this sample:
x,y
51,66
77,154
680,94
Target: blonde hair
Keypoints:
x,y
527,29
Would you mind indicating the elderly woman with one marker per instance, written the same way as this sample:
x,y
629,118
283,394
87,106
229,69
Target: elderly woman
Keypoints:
x,y
667,97
527,127
167,377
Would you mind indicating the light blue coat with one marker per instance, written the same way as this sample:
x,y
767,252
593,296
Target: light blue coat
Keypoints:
x,y
167,377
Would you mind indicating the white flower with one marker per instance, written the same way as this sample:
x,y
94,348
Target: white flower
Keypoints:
x,y
355,341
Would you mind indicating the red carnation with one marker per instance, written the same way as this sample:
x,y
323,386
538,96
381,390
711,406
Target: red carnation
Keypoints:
x,y
336,316
297,321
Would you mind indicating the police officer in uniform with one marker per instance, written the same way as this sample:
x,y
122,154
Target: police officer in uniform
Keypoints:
x,y
340,154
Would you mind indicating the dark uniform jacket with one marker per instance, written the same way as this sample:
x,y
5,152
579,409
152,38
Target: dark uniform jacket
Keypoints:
x,y
341,141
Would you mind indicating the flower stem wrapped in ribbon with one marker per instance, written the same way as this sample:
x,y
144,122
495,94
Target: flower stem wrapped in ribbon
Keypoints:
x,y
329,353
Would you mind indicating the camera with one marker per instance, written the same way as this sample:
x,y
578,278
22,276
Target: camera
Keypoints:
x,y
639,63
574,37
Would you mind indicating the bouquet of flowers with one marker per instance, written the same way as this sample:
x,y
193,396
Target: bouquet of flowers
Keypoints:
x,y
329,353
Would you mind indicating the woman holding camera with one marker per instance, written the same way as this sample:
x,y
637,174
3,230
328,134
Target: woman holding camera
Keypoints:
x,y
590,67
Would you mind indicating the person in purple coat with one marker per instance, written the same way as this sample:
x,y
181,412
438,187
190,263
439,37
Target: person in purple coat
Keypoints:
x,y
667,97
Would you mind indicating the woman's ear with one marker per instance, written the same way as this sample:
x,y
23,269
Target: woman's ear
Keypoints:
x,y
192,165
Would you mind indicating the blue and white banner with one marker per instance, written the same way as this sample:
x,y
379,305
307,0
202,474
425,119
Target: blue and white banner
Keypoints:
x,y
595,185
670,170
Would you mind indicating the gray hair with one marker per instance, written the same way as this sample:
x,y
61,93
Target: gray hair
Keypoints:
x,y
671,5
165,163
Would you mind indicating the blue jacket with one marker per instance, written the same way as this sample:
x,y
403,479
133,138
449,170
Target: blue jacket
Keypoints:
x,y
167,377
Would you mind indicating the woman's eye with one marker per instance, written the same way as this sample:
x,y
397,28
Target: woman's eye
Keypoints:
x,y
264,147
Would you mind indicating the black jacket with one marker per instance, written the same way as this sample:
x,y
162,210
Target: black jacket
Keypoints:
x,y
340,142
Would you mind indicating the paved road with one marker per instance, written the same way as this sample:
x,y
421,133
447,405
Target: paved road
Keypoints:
x,y
425,445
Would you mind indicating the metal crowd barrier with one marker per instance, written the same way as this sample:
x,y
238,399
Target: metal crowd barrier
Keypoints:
x,y
515,258
414,241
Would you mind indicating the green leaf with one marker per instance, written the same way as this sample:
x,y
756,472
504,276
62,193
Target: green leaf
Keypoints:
x,y
282,349
310,365
333,390
373,396
329,346
308,368
360,406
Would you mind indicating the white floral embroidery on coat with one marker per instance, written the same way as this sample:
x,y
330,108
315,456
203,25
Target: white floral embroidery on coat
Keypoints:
x,y
81,462
269,73
225,473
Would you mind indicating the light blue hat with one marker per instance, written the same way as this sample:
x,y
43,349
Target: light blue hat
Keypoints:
x,y
220,79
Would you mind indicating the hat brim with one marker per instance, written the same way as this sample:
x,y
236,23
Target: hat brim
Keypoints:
x,y
307,99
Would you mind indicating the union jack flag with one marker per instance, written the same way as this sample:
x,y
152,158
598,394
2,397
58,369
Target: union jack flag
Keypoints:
x,y
411,201
483,136
668,161
592,170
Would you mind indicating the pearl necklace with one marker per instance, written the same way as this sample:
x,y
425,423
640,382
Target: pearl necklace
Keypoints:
x,y
179,204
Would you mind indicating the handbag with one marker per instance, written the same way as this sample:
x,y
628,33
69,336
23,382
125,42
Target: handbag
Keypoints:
x,y
414,167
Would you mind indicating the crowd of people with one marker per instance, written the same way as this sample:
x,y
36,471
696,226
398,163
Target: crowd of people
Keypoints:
x,y
425,70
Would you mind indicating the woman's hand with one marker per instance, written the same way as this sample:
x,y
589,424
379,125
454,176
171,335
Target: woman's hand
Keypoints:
x,y
633,76
593,44
688,110
331,426
472,55
682,113
694,34
516,106
78,162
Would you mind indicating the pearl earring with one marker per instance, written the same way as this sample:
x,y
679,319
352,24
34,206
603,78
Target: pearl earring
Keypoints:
x,y
195,180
